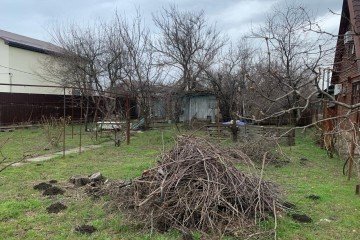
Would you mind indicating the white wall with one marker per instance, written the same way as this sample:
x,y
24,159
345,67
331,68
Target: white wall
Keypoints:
x,y
24,68
4,63
198,107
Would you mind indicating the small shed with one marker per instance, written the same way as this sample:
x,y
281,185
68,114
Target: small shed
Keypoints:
x,y
198,105
158,109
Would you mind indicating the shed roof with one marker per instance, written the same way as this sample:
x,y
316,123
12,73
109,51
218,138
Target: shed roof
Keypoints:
x,y
23,42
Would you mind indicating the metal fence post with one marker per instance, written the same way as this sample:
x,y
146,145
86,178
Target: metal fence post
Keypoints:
x,y
81,121
64,124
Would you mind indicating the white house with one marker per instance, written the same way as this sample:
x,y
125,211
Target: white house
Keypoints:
x,y
21,60
20,63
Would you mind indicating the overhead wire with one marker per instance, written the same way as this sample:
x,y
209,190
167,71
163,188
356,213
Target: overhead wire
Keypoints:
x,y
18,70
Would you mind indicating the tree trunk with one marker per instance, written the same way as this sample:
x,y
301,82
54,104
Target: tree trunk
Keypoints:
x,y
294,118
225,111
145,113
146,116
291,135
87,114
234,129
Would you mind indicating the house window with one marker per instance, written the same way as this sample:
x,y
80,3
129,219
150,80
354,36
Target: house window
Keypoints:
x,y
349,43
349,49
348,37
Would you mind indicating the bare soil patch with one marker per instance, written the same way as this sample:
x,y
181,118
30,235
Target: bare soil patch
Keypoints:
x,y
85,229
42,186
56,207
53,190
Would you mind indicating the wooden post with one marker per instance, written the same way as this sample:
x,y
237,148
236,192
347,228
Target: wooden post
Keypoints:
x,y
95,121
291,137
352,153
96,132
323,124
64,124
127,120
81,121
218,120
72,116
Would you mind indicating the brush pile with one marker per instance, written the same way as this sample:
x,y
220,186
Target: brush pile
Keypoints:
x,y
256,147
195,186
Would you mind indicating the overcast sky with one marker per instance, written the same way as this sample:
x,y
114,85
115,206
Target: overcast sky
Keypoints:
x,y
33,18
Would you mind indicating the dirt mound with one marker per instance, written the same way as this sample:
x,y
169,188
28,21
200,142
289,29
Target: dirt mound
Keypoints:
x,y
56,207
313,197
53,190
304,161
42,186
85,229
301,218
195,186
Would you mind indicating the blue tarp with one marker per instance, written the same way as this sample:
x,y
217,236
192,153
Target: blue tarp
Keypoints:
x,y
239,123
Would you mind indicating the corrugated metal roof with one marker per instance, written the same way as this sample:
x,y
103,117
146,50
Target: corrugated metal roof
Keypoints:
x,y
19,41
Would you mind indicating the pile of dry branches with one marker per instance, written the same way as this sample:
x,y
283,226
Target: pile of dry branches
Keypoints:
x,y
255,148
195,186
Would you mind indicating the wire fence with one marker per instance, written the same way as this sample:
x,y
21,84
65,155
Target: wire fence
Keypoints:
x,y
77,115
65,108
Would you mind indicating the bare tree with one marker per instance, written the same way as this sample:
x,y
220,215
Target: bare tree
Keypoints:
x,y
91,59
186,43
293,54
228,81
143,74
107,60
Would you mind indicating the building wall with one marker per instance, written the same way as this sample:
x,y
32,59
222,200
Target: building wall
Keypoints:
x,y
199,107
20,66
347,72
158,109
4,64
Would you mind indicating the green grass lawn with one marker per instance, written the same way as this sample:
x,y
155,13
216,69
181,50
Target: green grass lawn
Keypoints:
x,y
23,210
34,142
